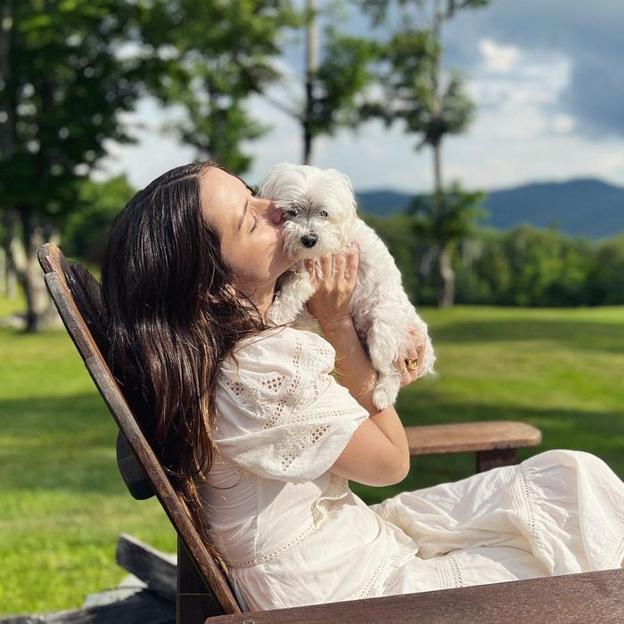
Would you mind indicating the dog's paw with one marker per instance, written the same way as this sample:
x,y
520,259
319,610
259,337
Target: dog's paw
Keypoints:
x,y
386,391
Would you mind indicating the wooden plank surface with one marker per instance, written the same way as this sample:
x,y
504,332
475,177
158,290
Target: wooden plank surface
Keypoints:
x,y
156,569
589,598
472,436
141,608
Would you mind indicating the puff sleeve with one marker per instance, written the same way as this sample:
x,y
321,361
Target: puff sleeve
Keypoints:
x,y
280,413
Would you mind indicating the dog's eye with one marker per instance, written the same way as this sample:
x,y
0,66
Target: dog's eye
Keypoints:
x,y
323,213
292,213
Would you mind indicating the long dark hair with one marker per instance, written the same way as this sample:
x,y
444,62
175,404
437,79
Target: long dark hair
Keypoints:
x,y
172,315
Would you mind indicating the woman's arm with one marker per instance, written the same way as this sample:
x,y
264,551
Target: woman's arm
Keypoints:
x,y
352,364
329,305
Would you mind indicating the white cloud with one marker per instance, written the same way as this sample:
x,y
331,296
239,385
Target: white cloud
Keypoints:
x,y
519,135
563,123
498,57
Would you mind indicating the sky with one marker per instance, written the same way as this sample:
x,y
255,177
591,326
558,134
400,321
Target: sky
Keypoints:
x,y
546,77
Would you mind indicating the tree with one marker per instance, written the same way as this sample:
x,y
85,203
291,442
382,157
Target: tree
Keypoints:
x,y
605,282
69,68
333,83
84,232
62,86
445,222
430,105
215,55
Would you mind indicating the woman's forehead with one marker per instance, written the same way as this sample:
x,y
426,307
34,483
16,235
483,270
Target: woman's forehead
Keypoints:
x,y
220,193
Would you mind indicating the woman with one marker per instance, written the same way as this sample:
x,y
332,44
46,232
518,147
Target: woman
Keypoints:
x,y
261,439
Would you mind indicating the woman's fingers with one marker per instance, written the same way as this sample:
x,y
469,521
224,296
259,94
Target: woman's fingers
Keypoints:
x,y
311,268
326,268
352,262
340,262
336,268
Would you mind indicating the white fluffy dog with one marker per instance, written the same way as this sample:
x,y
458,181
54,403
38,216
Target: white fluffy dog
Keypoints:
x,y
322,219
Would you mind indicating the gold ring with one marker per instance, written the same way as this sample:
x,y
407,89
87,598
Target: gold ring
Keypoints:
x,y
412,364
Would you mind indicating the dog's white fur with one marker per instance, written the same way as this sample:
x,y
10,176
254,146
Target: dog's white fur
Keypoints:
x,y
322,204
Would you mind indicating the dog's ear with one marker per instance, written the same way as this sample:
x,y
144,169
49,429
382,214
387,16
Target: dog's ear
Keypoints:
x,y
268,187
345,188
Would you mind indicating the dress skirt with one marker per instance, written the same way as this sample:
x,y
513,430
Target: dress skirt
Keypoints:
x,y
558,512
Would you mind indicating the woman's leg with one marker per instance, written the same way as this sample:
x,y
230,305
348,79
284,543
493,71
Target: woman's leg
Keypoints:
x,y
565,507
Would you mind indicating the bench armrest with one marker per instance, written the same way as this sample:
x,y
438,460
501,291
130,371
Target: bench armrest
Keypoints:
x,y
471,436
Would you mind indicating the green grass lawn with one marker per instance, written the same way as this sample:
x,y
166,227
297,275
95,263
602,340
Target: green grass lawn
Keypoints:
x,y
63,504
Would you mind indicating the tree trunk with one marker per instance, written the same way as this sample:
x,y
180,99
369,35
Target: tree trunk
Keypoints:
x,y
22,256
307,143
437,172
446,294
436,94
8,106
8,280
311,69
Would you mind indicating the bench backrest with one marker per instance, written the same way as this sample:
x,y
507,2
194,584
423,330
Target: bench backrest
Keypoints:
x,y
76,294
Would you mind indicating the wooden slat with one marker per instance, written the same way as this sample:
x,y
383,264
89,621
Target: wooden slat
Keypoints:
x,y
154,568
140,608
473,436
194,601
589,598
55,267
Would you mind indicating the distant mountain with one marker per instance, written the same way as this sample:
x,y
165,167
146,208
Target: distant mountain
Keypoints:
x,y
382,203
582,207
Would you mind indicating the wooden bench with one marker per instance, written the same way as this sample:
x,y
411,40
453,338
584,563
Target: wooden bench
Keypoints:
x,y
203,590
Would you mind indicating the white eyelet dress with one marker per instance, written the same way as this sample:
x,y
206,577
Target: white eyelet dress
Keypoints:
x,y
293,533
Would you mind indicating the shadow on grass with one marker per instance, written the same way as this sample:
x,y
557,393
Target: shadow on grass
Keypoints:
x,y
590,335
69,443
55,443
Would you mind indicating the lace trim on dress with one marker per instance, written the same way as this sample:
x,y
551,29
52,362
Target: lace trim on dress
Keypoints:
x,y
380,571
383,575
524,504
337,488
449,571
250,563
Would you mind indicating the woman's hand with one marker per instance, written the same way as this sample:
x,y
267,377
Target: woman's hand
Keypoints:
x,y
415,350
330,302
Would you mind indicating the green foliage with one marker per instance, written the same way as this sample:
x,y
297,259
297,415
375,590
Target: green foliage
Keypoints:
x,y
378,9
342,75
413,91
447,216
523,266
528,267
61,94
85,232
606,275
408,81
432,106
211,56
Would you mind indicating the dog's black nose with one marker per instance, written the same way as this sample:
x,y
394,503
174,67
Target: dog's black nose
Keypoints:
x,y
309,240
